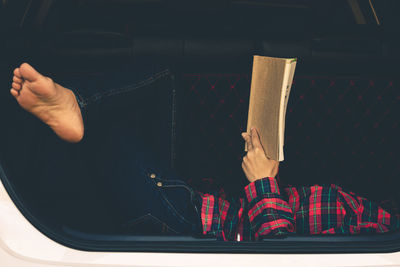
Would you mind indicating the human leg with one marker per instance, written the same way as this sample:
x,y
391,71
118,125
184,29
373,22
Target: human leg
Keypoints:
x,y
150,196
169,201
61,107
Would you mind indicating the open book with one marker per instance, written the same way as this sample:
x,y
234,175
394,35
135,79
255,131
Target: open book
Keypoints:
x,y
269,94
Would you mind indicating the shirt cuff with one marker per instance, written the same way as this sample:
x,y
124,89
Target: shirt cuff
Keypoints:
x,y
261,187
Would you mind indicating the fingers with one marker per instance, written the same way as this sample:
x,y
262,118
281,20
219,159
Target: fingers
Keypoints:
x,y
255,139
247,139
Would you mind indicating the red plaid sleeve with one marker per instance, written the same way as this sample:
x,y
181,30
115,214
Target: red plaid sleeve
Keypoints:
x,y
222,218
365,216
330,210
268,212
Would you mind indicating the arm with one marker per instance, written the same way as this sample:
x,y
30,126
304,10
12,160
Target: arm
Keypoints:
x,y
364,216
268,212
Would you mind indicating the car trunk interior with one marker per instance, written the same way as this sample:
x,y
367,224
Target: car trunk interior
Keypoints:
x,y
342,122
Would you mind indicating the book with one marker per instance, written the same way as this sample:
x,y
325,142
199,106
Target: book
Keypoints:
x,y
271,82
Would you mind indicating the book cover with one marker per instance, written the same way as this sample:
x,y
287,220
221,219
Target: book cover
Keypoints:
x,y
270,88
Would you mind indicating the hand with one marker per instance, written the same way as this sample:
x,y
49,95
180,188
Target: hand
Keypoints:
x,y
255,164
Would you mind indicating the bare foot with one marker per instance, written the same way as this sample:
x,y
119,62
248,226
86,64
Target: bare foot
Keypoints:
x,y
50,102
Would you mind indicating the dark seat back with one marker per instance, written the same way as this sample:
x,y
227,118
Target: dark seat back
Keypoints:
x,y
341,130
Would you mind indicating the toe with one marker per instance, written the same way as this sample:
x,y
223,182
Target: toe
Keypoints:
x,y
16,86
14,92
28,72
17,73
17,80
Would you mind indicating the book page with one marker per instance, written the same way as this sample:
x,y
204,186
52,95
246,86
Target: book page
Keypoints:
x,y
265,98
288,80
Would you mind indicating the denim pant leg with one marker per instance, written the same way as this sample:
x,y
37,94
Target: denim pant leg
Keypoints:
x,y
94,88
148,195
151,197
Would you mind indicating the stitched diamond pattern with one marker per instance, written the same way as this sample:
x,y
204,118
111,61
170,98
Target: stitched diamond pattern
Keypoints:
x,y
342,130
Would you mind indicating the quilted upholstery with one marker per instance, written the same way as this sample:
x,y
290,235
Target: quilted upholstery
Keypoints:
x,y
341,130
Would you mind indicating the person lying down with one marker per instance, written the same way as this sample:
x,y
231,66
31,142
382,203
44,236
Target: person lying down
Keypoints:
x,y
152,194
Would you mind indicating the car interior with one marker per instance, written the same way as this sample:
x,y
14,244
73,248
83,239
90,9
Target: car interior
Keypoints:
x,y
342,123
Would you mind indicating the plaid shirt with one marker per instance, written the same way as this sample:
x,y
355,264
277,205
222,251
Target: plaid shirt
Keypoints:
x,y
306,210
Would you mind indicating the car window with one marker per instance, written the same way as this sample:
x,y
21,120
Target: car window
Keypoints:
x,y
187,103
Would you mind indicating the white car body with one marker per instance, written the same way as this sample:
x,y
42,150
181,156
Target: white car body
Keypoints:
x,y
22,245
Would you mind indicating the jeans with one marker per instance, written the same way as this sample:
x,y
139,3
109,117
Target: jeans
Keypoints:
x,y
150,196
